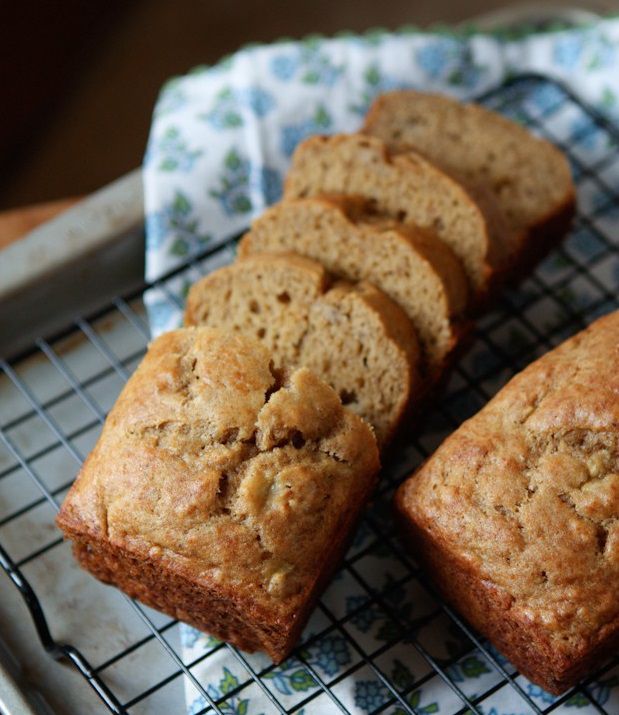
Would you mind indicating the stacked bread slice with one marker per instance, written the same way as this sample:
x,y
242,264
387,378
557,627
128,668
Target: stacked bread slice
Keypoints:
x,y
386,243
403,187
526,179
404,261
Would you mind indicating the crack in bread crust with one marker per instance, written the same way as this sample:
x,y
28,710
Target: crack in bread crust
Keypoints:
x,y
524,499
239,483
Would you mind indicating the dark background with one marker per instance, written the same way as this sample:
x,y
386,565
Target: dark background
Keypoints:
x,y
79,77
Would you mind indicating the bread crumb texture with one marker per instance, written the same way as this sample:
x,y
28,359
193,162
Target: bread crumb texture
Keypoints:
x,y
404,187
526,493
528,177
412,267
238,477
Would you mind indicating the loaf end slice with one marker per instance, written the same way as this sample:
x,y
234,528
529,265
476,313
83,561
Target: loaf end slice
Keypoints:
x,y
528,177
222,493
363,345
409,264
405,187
516,515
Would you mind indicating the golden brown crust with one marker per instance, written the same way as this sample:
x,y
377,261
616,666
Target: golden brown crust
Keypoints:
x,y
517,513
219,495
487,608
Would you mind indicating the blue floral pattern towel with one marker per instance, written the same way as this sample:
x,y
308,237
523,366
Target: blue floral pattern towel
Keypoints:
x,y
222,137
220,143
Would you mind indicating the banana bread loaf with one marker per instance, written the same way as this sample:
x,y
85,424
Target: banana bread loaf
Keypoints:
x,y
516,515
220,492
408,264
354,337
405,187
528,177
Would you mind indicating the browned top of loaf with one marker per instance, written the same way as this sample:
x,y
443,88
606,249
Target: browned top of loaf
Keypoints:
x,y
529,177
526,493
406,187
355,338
238,482
406,262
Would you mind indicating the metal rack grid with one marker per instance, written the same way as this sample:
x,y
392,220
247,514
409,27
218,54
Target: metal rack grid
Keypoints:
x,y
573,286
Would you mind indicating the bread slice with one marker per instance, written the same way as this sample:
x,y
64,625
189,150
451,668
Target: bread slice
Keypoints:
x,y
407,263
406,187
354,337
528,178
221,493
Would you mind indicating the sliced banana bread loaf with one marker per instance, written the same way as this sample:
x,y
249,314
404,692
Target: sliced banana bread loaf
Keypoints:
x,y
408,264
516,515
221,493
406,187
354,337
528,177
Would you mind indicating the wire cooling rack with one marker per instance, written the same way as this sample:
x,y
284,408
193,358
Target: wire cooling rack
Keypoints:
x,y
380,640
